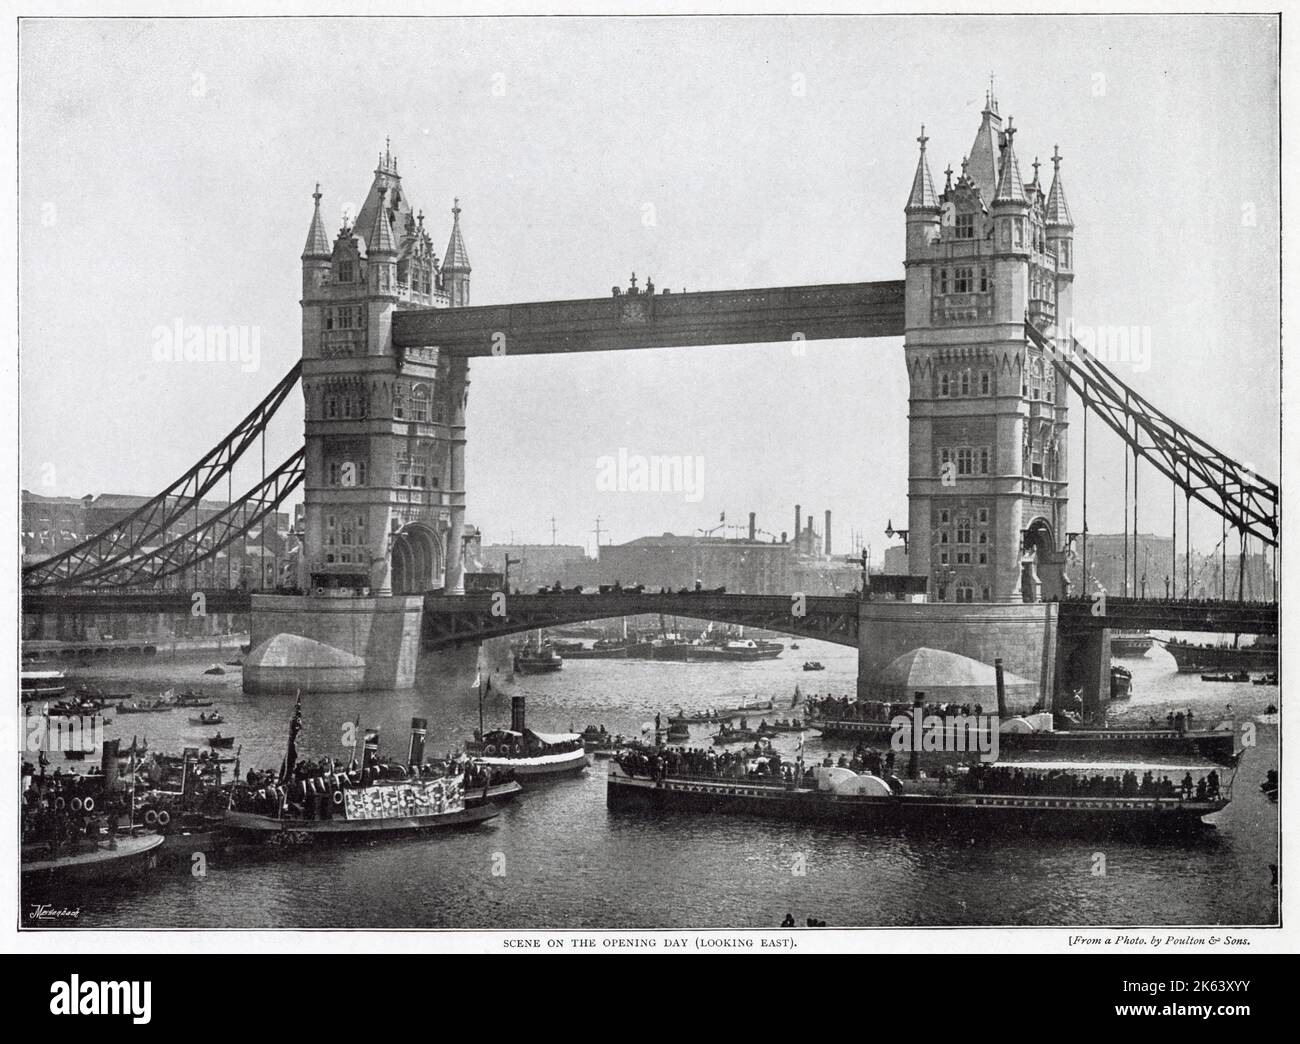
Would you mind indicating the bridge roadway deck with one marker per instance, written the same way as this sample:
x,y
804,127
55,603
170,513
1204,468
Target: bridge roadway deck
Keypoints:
x,y
450,619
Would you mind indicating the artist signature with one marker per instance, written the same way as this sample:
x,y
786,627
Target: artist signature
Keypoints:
x,y
46,912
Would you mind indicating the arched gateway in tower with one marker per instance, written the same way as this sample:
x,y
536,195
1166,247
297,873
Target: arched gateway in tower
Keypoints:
x,y
987,477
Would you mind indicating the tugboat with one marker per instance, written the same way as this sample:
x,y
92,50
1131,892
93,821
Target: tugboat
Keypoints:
x,y
1235,676
814,665
539,660
529,754
379,798
1121,682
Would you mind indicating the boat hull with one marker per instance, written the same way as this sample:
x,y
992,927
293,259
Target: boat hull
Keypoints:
x,y
974,813
548,766
132,857
1193,659
248,826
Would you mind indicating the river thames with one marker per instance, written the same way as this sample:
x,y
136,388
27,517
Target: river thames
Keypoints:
x,y
557,858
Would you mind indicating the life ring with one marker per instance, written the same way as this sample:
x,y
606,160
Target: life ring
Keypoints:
x,y
519,749
59,803
338,797
151,817
164,817
491,748
75,804
88,804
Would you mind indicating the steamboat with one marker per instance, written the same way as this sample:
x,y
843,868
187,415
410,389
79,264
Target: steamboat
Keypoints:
x,y
376,799
1030,797
1129,643
526,753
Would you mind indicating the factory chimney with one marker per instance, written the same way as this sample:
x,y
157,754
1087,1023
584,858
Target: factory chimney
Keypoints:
x,y
828,534
753,529
516,713
798,524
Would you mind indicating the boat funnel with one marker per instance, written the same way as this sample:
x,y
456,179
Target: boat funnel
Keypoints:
x,y
517,713
1001,684
109,763
419,729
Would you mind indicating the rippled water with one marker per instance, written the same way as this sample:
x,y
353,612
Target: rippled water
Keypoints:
x,y
558,858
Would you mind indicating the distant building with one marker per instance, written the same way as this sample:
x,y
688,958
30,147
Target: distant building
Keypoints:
x,y
742,566
541,565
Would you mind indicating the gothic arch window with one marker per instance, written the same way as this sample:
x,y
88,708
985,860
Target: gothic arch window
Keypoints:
x,y
965,590
965,382
420,403
986,382
943,384
399,403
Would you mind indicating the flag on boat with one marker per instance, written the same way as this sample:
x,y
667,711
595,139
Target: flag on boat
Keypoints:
x,y
291,754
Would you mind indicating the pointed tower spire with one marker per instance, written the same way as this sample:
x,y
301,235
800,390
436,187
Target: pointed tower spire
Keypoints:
x,y
923,196
318,243
380,240
1011,189
1058,210
457,257
982,163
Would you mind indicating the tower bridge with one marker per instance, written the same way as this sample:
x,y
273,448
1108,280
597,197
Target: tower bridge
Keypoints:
x,y
388,332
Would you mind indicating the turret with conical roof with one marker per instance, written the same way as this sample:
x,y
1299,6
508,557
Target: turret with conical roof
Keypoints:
x,y
1060,239
315,254
923,207
455,265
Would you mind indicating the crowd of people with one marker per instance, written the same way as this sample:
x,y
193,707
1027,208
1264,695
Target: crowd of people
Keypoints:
x,y
756,762
1009,779
848,708
310,789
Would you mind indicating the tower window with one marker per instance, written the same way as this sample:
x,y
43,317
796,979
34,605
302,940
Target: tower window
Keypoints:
x,y
965,461
399,407
982,516
343,272
986,383
965,382
984,462
963,531
984,280
943,280
420,403
944,516
965,226
962,280
943,384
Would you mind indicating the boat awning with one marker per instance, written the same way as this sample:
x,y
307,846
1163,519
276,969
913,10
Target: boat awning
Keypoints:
x,y
556,738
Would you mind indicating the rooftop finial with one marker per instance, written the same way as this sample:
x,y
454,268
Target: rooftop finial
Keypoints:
x,y
1035,165
991,100
923,138
948,174
1056,158
455,207
316,195
1011,130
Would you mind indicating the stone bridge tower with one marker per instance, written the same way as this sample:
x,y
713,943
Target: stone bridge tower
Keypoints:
x,y
385,429
988,471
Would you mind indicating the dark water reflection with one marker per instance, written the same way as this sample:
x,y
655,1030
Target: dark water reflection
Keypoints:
x,y
558,858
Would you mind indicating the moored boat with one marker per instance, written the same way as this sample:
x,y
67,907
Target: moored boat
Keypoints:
x,y
1121,682
1129,643
1235,676
41,685
814,665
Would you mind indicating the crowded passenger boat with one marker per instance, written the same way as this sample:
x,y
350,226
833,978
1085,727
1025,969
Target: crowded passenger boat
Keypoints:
x,y
1054,797
529,754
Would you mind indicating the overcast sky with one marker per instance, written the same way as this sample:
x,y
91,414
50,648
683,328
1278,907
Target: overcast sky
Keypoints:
x,y
167,169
